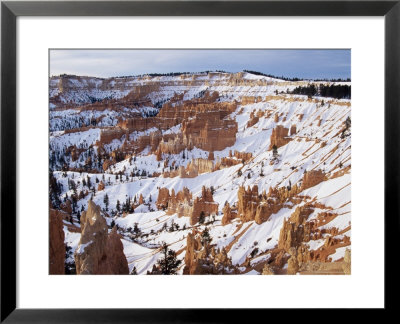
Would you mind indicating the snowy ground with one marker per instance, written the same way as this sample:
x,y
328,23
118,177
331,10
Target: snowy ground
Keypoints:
x,y
316,145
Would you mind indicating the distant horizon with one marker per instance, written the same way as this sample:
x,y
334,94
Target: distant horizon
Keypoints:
x,y
200,72
303,64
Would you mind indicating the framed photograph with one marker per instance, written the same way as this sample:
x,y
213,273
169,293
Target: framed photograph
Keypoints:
x,y
157,150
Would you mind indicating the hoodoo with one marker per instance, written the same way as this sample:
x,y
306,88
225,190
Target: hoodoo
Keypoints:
x,y
99,252
199,173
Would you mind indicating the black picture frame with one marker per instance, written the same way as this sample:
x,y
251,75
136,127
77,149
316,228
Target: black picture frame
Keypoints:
x,y
11,10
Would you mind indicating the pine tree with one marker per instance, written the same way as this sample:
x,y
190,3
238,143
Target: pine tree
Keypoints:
x,y
164,227
202,217
118,206
275,151
348,122
136,229
106,201
89,183
169,263
205,237
74,203
172,227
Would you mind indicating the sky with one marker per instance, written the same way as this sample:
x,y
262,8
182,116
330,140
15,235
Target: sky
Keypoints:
x,y
301,63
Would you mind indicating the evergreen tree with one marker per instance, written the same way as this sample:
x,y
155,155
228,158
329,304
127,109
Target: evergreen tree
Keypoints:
x,y
205,237
274,151
172,227
348,122
202,217
136,229
169,263
74,203
55,189
106,201
89,183
118,206
164,227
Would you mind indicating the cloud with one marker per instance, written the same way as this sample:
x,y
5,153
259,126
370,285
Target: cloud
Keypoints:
x,y
289,63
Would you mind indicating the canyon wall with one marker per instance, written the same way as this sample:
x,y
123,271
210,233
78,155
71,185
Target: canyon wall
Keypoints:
x,y
56,246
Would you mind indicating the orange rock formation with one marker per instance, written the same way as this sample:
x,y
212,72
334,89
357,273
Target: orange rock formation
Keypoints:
x,y
99,252
202,258
279,137
183,204
56,246
312,178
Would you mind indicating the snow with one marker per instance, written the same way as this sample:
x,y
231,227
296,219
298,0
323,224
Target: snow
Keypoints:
x,y
315,244
266,235
260,259
78,139
339,253
304,152
82,247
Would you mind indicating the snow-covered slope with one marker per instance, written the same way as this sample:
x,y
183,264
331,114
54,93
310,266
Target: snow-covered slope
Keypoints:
x,y
309,166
